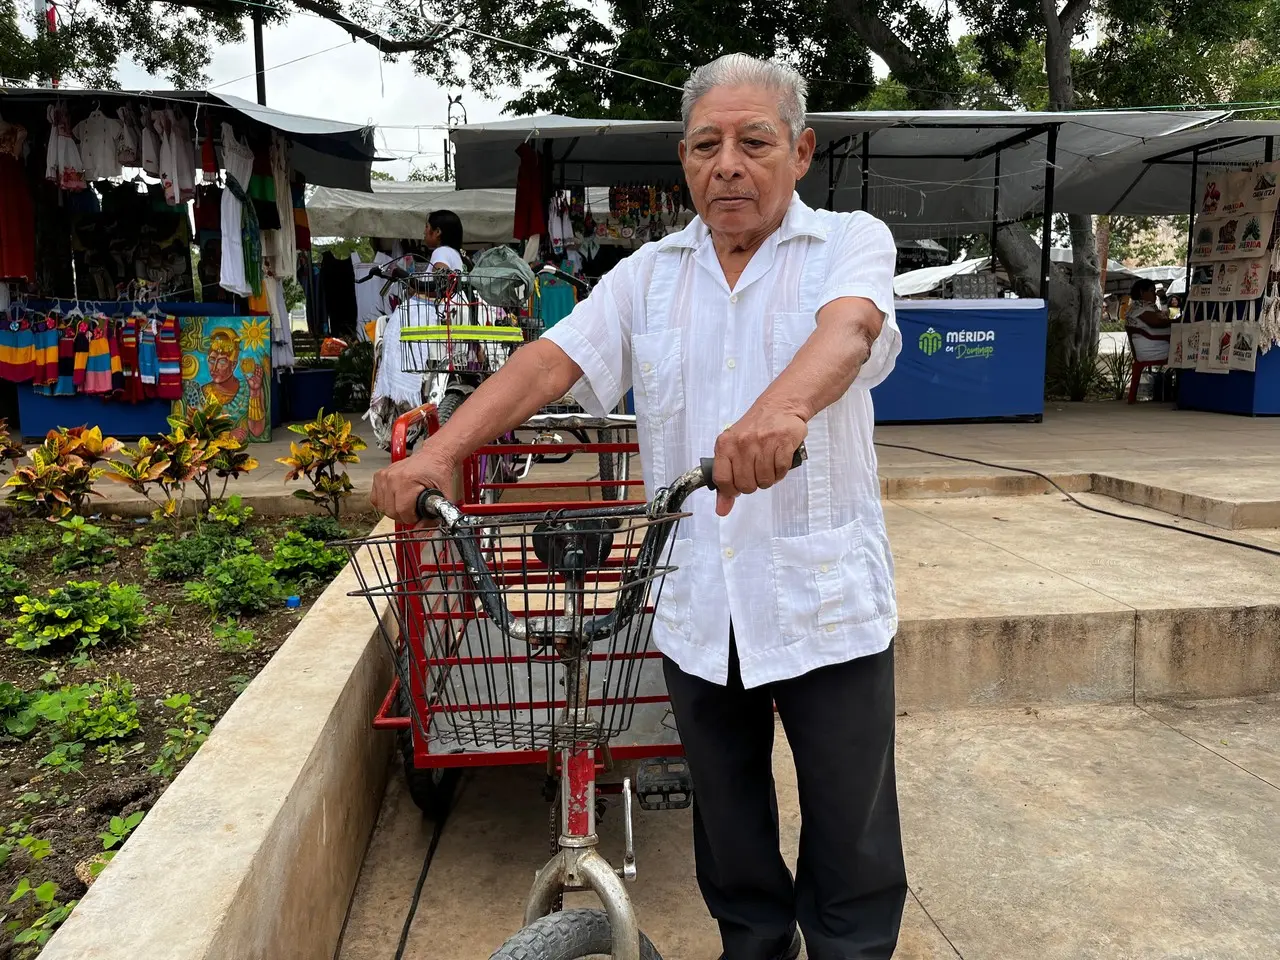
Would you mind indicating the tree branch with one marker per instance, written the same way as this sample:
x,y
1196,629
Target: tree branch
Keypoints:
x,y
1049,11
372,37
882,40
1071,15
336,17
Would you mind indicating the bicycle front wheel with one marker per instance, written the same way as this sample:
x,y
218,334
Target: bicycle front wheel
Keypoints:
x,y
568,935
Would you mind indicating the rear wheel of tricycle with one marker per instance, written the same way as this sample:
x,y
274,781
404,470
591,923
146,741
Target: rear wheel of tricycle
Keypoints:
x,y
430,787
568,935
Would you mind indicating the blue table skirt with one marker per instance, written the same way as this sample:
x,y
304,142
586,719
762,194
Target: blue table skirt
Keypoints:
x,y
1253,394
966,360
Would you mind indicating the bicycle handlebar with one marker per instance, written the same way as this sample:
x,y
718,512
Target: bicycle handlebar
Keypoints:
x,y
432,504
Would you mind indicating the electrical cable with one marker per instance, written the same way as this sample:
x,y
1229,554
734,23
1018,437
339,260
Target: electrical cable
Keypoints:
x,y
441,820
1079,503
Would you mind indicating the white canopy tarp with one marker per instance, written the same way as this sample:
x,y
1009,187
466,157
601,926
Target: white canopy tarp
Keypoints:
x,y
913,283
1160,274
1154,178
930,173
399,211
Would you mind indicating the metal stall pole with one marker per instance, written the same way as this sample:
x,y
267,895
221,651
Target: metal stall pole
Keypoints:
x,y
1046,239
831,175
258,64
1191,221
995,213
866,173
1271,145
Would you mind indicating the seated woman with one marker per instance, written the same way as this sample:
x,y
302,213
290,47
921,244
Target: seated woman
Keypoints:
x,y
1147,324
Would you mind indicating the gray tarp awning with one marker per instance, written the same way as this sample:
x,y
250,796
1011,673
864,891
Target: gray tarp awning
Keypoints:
x,y
931,173
1154,178
325,152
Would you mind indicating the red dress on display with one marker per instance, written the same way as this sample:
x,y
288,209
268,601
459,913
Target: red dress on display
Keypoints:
x,y
17,214
531,209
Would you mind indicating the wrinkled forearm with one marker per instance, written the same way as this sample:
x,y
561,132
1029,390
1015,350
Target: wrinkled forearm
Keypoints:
x,y
536,374
828,362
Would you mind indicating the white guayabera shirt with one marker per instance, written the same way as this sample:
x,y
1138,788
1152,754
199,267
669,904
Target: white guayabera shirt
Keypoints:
x,y
802,570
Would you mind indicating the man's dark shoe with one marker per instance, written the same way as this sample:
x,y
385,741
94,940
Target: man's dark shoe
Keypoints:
x,y
791,953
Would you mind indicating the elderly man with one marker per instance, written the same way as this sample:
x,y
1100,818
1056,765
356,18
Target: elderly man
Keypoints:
x,y
760,326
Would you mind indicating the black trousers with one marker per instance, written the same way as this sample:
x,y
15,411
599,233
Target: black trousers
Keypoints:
x,y
850,884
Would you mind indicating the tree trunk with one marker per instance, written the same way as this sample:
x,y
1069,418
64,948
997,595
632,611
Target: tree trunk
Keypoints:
x,y
1077,337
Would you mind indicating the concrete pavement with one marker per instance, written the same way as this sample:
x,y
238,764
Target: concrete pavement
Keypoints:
x,y
1218,469
1143,833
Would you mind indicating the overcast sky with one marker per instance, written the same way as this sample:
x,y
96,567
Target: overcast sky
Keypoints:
x,y
347,83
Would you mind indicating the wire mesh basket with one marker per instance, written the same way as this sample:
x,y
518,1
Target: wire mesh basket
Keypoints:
x,y
544,648
447,348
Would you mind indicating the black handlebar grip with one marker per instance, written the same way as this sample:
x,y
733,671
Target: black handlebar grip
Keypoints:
x,y
423,506
707,465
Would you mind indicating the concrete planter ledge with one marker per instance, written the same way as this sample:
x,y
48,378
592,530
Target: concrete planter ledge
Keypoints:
x,y
254,850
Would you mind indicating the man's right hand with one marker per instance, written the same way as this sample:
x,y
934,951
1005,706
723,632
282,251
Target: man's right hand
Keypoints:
x,y
396,488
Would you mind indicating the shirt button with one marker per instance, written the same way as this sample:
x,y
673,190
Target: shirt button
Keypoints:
x,y
734,298
831,628
824,568
728,553
731,363
728,426
646,367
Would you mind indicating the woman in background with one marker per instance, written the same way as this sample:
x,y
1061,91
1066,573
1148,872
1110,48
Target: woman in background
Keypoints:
x,y
443,238
1146,323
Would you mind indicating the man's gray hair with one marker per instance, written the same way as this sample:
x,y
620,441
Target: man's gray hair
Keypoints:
x,y
741,70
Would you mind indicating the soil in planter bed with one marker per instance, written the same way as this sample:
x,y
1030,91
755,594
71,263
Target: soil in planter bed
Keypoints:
x,y
174,652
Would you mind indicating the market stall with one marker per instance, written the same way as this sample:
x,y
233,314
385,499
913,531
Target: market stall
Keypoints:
x,y
1224,176
941,173
109,318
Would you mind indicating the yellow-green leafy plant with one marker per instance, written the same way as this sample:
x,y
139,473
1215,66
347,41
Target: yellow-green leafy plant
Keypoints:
x,y
10,447
63,469
166,465
229,459
320,459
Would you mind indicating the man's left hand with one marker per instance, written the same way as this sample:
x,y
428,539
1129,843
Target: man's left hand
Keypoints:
x,y
755,453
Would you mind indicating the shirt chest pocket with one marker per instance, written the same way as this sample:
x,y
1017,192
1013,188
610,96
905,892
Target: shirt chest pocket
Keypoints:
x,y
659,373
790,331
822,581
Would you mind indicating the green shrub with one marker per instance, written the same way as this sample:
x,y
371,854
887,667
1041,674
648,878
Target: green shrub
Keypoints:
x,y
303,561
13,583
230,514
232,638
189,732
320,527
239,584
175,560
110,712
78,616
84,546
105,710
19,547
13,703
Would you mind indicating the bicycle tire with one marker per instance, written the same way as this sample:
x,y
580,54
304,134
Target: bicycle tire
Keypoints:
x,y
449,405
612,467
568,935
430,788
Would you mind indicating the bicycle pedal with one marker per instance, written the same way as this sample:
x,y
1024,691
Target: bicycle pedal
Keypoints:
x,y
664,783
